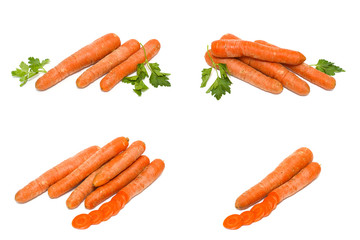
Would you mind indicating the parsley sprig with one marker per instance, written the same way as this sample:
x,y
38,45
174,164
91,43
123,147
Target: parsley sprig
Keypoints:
x,y
27,71
222,83
327,67
157,78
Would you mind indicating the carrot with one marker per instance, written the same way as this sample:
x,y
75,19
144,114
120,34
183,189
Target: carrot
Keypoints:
x,y
246,73
90,165
82,191
129,66
277,71
104,192
119,163
107,63
303,178
143,180
42,183
96,216
309,73
286,170
107,210
238,48
85,57
82,221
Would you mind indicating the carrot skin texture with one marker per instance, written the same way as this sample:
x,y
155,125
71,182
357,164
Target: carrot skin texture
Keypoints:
x,y
283,172
246,73
230,48
107,63
309,73
42,183
129,66
119,163
84,57
144,179
277,71
104,192
103,155
82,191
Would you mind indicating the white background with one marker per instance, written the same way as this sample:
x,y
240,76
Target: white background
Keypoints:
x,y
213,150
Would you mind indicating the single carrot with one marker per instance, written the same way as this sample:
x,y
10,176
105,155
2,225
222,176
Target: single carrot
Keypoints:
x,y
82,191
246,73
129,66
85,57
107,190
143,180
96,216
228,48
277,71
82,221
119,163
283,172
107,63
103,155
309,73
42,183
303,178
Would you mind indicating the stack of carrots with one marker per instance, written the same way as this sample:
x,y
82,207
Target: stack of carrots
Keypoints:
x,y
267,66
108,56
293,174
95,174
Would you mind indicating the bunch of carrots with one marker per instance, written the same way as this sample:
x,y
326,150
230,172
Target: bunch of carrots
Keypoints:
x,y
96,174
108,56
266,66
291,175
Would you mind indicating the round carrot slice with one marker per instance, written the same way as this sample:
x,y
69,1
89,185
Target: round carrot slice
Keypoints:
x,y
271,201
258,211
82,221
96,216
267,208
107,211
233,222
247,217
118,204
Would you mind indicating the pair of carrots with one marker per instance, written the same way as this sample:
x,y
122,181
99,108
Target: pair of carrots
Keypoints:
x,y
96,174
292,174
107,56
267,66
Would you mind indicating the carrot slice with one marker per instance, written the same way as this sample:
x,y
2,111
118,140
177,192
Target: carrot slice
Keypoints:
x,y
118,204
258,211
96,216
272,201
82,221
233,222
107,210
247,217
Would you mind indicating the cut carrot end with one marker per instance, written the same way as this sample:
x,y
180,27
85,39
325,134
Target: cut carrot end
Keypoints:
x,y
233,222
96,217
107,211
82,221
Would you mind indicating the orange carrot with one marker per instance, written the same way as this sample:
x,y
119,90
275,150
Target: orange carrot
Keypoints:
x,y
303,178
82,191
129,66
85,57
309,73
277,71
107,210
238,48
107,63
42,183
119,163
82,221
96,217
143,180
286,170
104,192
246,73
103,155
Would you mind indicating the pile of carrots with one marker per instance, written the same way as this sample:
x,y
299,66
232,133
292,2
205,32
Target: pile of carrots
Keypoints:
x,y
293,174
267,66
108,56
96,174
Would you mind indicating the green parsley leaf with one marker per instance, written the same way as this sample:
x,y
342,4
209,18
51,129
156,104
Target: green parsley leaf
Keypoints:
x,y
137,80
220,87
327,67
26,72
157,78
205,76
